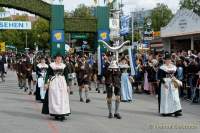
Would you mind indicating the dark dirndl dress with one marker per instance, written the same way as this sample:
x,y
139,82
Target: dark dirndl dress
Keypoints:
x,y
37,93
45,108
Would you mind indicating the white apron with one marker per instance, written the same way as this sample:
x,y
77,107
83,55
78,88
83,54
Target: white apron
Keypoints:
x,y
169,102
41,80
41,86
58,96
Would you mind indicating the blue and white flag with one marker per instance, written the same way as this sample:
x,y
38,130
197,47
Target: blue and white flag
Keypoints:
x,y
124,25
132,58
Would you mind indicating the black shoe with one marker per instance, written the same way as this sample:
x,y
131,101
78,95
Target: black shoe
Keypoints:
x,y
117,116
110,116
56,118
62,118
25,90
177,114
166,115
129,101
99,91
30,93
81,100
104,92
71,92
87,100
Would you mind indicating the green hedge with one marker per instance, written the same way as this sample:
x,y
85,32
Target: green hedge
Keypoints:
x,y
36,7
80,25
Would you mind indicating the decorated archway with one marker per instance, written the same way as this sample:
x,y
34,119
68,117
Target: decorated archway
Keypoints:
x,y
54,13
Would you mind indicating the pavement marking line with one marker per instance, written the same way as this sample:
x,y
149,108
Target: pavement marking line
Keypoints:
x,y
51,125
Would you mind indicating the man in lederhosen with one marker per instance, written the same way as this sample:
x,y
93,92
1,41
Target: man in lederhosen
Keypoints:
x,y
23,73
82,70
29,70
113,81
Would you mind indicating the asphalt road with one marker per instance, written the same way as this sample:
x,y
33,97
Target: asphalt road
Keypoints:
x,y
19,113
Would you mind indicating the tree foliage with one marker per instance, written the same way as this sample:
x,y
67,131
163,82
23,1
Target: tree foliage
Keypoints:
x,y
39,34
83,11
193,5
2,9
160,16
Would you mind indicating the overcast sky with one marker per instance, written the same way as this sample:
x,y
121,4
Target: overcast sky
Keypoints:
x,y
130,5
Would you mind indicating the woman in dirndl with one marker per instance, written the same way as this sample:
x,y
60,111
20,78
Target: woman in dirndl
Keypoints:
x,y
168,98
41,70
126,87
56,101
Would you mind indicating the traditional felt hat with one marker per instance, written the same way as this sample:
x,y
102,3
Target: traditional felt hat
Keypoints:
x,y
167,56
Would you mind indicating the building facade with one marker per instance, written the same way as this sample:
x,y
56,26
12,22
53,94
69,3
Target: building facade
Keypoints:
x,y
182,32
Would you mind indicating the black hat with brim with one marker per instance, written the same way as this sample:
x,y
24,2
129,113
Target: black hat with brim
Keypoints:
x,y
167,56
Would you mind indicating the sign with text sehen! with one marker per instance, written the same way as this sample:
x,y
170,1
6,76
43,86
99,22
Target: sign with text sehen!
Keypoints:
x,y
20,25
